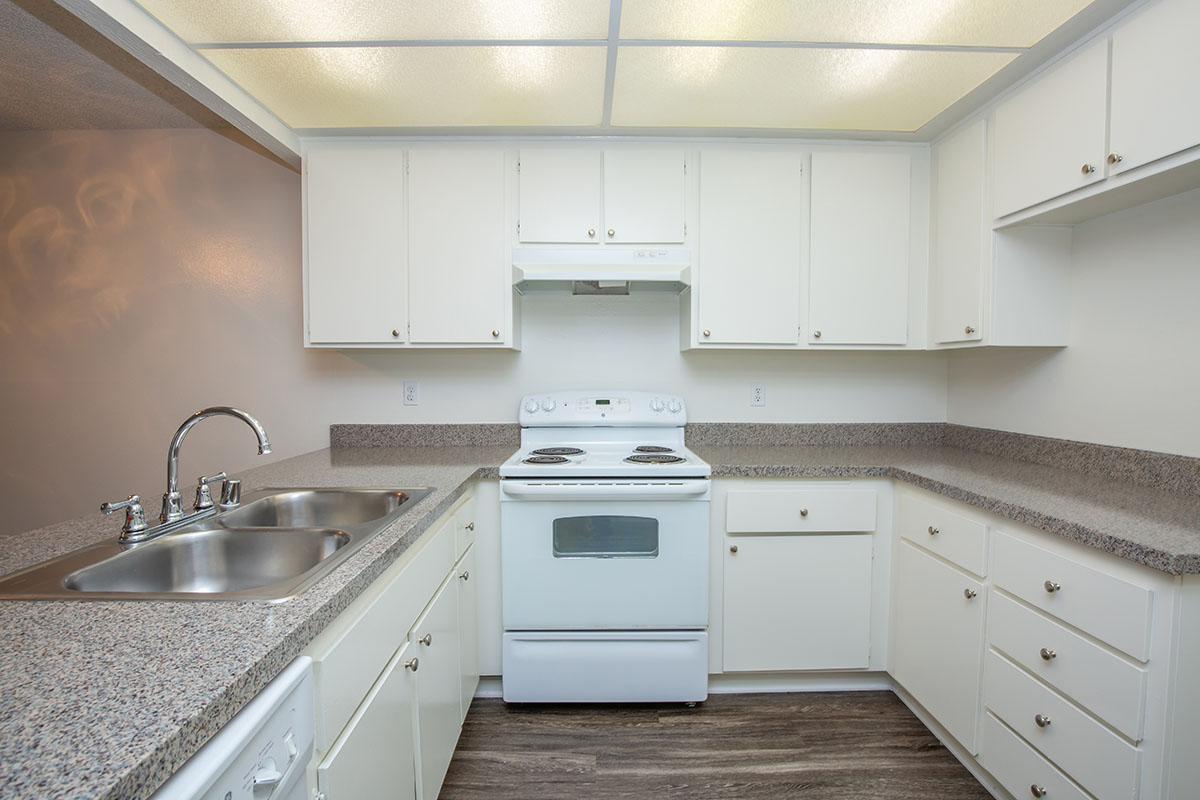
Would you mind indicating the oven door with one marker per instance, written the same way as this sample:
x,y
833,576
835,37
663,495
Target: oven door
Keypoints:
x,y
604,555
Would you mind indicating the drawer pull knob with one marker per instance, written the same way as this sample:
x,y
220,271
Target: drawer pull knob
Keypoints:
x,y
1037,791
470,526
1042,720
934,531
969,594
426,640
1048,654
1088,169
412,664
466,576
733,548
1052,586
804,512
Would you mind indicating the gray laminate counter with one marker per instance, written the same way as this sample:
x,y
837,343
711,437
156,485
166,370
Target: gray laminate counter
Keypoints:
x,y
106,699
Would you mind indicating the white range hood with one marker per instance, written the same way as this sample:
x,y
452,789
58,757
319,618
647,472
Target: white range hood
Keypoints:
x,y
602,269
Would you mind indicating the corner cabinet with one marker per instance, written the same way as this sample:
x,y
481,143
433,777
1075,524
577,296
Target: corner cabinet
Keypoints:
x,y
406,248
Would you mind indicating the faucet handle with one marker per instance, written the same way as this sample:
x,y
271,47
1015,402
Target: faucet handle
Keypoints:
x,y
204,499
135,515
231,494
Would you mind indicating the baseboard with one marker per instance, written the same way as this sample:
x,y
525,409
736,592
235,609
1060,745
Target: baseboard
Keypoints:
x,y
750,682
489,686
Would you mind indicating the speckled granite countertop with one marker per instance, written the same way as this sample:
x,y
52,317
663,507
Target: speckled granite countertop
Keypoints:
x,y
106,699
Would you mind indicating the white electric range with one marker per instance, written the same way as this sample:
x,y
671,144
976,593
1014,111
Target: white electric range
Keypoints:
x,y
604,552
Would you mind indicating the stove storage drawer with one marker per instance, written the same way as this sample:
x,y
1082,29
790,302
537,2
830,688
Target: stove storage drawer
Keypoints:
x,y
817,510
605,667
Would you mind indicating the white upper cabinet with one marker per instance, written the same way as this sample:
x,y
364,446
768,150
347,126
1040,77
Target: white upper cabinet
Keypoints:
x,y
355,243
960,236
560,195
858,282
643,196
747,281
1155,68
1050,136
459,276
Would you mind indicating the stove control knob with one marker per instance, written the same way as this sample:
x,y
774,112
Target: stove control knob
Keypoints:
x,y
547,404
656,405
531,406
674,406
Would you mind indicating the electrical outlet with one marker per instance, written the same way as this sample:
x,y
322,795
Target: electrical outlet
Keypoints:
x,y
758,395
412,393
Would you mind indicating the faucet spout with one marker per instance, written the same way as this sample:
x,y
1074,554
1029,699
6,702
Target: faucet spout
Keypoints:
x,y
172,508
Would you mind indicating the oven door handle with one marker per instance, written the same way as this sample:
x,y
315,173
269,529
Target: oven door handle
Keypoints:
x,y
604,490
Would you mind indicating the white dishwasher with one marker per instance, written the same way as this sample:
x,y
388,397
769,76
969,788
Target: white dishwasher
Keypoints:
x,y
262,753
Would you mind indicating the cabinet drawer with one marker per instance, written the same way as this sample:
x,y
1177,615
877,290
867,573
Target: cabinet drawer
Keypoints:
x,y
954,537
1108,685
1092,755
348,657
1019,768
1102,605
800,511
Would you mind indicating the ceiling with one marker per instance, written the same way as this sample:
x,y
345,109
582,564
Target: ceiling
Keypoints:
x,y
58,74
844,66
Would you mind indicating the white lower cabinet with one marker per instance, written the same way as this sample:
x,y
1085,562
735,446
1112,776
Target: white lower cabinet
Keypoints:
x,y
797,602
938,638
468,627
439,687
373,758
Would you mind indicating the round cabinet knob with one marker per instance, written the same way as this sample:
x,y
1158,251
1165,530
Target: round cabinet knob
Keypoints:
x,y
1037,791
547,404
466,576
1115,158
1052,587
969,330
1041,720
1088,169
733,548
591,233
426,640
395,333
611,233
656,405
674,406
1047,654
707,333
933,531
969,594
531,406
804,512
470,526
816,334
412,664
495,333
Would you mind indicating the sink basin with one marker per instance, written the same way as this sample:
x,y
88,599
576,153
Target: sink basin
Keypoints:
x,y
269,550
212,561
305,508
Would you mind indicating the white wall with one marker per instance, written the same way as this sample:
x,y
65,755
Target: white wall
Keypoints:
x,y
146,274
1131,375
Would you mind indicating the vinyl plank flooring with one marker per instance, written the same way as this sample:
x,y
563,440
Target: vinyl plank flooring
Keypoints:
x,y
831,746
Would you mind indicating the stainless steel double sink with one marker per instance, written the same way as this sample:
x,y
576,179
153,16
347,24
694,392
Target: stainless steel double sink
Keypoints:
x,y
272,548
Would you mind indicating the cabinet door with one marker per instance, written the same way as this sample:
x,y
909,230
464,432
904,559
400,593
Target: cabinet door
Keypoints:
x,y
959,236
1049,137
937,644
560,196
1155,63
748,260
354,233
797,602
858,281
468,629
435,639
375,757
459,279
643,196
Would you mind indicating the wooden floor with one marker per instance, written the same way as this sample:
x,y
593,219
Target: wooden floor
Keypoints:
x,y
835,746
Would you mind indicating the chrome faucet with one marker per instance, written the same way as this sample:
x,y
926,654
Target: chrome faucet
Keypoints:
x,y
172,517
172,505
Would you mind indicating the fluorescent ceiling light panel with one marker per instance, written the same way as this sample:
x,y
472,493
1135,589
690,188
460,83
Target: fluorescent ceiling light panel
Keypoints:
x,y
802,88
369,87
247,21
974,23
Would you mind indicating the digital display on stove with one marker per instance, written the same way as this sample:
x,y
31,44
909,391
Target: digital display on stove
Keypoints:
x,y
603,402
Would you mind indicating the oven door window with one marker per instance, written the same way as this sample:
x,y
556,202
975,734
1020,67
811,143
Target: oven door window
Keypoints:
x,y
605,536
